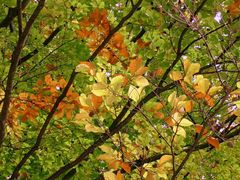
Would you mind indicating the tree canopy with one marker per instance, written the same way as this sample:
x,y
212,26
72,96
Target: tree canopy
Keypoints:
x,y
119,89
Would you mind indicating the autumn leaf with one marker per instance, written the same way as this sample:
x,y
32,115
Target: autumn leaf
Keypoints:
x,y
164,159
199,129
109,175
135,93
119,176
92,128
185,122
176,75
213,141
234,8
126,167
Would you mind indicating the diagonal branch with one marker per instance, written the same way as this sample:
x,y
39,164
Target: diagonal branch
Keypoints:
x,y
45,43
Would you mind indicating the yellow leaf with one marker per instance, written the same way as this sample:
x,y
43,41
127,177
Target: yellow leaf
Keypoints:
x,y
109,176
176,75
135,93
179,131
202,86
92,128
140,81
185,122
238,84
213,90
164,159
106,149
172,98
84,100
190,71
101,77
117,82
99,89
105,157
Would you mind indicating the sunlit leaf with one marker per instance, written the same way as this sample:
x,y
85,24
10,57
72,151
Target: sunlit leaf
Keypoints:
x,y
202,85
164,159
179,131
140,81
185,122
92,128
176,75
109,175
135,93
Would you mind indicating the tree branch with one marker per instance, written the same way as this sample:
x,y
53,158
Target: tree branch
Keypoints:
x,y
13,67
12,13
63,95
45,43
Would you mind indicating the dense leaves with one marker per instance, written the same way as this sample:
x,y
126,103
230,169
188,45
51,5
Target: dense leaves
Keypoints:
x,y
119,89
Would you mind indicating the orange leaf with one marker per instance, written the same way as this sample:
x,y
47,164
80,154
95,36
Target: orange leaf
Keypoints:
x,y
126,167
213,141
119,175
159,115
199,129
142,44
169,121
234,8
209,100
96,101
188,106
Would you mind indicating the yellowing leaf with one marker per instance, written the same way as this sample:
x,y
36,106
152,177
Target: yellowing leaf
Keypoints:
x,y
172,98
109,176
213,141
106,149
101,77
140,81
185,122
99,89
135,93
202,86
85,67
238,84
164,159
190,71
176,75
105,157
117,82
213,90
179,131
92,128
